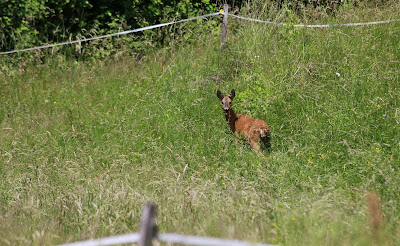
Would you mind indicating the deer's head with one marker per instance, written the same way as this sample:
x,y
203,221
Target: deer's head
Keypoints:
x,y
226,102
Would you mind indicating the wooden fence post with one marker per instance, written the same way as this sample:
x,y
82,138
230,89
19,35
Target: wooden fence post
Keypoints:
x,y
148,228
224,27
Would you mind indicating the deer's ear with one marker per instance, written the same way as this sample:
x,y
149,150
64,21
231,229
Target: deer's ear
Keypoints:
x,y
219,95
232,95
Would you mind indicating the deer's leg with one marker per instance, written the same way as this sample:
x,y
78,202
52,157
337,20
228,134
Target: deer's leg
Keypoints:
x,y
256,147
266,142
236,138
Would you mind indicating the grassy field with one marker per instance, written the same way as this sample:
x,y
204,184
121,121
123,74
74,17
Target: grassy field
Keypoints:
x,y
84,147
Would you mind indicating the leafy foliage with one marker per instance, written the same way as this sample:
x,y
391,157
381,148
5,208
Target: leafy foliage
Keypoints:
x,y
27,23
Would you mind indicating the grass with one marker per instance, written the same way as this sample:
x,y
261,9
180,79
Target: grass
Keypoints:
x,y
84,147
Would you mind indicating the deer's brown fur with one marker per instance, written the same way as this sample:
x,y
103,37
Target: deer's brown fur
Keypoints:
x,y
249,128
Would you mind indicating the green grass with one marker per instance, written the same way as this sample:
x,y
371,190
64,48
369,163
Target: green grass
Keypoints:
x,y
84,147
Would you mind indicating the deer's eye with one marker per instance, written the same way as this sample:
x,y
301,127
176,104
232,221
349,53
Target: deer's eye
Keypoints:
x,y
230,103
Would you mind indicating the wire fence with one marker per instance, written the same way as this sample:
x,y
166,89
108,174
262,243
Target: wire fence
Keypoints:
x,y
315,26
148,232
110,35
200,17
166,238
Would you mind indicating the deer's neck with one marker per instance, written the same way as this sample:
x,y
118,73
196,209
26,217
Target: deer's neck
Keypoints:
x,y
231,117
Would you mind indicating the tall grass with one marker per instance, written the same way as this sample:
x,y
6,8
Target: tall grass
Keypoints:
x,y
83,147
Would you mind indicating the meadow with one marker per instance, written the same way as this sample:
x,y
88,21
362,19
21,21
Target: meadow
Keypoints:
x,y
83,146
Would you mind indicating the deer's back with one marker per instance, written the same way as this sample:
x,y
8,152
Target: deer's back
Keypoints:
x,y
249,127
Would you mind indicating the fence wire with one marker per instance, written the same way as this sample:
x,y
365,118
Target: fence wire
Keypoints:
x,y
203,241
195,18
114,240
110,35
313,26
166,238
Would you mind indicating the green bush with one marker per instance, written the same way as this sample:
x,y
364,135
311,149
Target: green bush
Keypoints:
x,y
28,23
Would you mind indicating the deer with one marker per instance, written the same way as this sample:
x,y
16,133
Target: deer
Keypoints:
x,y
251,129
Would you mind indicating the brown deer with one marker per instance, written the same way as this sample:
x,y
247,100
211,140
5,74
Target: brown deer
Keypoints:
x,y
251,129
